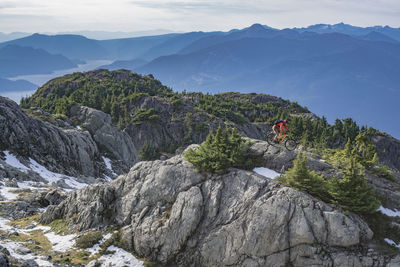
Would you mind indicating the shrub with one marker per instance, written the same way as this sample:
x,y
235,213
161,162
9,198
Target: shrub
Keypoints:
x,y
364,152
143,115
89,239
225,149
148,152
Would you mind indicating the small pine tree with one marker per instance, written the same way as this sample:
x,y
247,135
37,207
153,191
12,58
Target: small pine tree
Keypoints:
x,y
225,149
352,192
301,178
148,152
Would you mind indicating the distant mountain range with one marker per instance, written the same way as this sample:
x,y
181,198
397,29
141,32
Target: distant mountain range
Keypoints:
x,y
4,37
336,70
334,74
16,86
352,30
17,60
71,46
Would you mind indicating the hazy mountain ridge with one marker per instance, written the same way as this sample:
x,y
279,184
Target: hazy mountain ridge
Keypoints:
x,y
308,67
352,30
306,64
17,60
15,86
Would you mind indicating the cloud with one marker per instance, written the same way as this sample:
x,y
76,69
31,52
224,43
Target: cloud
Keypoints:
x,y
232,6
189,15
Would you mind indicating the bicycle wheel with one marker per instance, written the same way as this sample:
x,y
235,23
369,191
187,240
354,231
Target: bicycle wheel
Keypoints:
x,y
270,138
290,144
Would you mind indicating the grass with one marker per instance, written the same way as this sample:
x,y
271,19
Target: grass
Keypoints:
x,y
89,239
60,227
40,244
73,257
165,216
39,115
24,222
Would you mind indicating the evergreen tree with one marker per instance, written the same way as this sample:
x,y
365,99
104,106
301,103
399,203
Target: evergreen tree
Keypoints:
x,y
225,149
353,192
301,178
148,152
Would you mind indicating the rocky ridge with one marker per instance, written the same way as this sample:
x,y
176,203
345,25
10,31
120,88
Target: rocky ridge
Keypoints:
x,y
172,214
59,147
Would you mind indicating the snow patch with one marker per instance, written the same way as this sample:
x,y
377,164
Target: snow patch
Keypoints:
x,y
7,195
389,212
266,172
13,161
391,242
4,225
54,177
61,242
42,171
119,258
96,248
107,161
13,247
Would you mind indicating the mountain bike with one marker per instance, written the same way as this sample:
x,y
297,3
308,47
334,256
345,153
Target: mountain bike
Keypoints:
x,y
289,143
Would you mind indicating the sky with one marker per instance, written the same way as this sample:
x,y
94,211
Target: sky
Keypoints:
x,y
182,16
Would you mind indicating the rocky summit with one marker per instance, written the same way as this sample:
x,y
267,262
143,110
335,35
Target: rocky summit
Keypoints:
x,y
93,172
174,215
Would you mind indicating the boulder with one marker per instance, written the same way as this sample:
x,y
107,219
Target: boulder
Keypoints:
x,y
171,214
4,260
105,134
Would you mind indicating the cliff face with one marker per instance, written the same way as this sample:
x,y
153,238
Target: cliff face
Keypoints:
x,y
181,126
94,149
171,214
388,149
67,151
106,135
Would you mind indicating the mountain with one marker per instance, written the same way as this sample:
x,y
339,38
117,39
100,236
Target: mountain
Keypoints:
x,y
62,149
393,33
71,46
4,37
379,37
107,35
152,113
18,85
125,64
130,48
175,44
17,60
256,30
321,71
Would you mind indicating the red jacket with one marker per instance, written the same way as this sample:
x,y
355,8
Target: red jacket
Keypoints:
x,y
282,126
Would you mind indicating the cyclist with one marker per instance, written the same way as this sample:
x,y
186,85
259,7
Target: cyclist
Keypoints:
x,y
279,128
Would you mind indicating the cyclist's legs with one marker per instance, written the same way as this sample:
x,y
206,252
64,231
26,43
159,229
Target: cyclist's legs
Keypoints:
x,y
276,131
